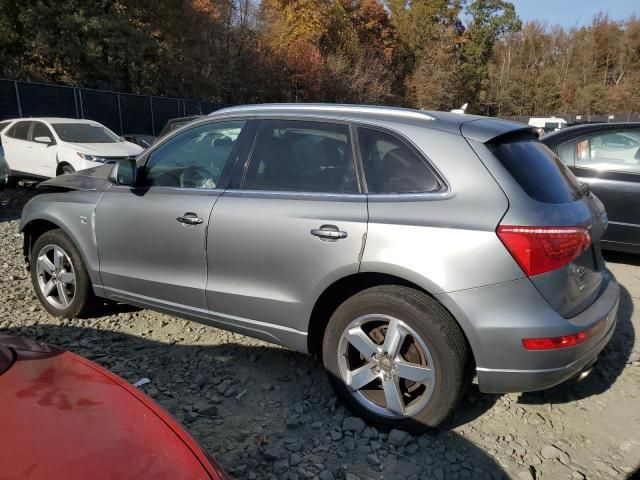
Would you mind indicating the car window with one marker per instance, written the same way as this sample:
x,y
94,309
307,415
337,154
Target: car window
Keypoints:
x,y
566,153
40,130
614,151
538,171
301,156
19,130
85,133
391,166
195,158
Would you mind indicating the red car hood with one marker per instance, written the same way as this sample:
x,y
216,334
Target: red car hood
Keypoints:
x,y
65,417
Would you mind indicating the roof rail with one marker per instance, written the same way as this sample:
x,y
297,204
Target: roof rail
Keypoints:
x,y
326,107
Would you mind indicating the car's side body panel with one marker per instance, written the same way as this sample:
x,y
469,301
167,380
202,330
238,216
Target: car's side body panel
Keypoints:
x,y
73,212
264,263
426,237
146,252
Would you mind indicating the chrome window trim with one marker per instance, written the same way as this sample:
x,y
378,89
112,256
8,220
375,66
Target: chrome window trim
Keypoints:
x,y
296,195
445,187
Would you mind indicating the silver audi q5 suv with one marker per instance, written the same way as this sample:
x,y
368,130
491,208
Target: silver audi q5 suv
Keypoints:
x,y
409,250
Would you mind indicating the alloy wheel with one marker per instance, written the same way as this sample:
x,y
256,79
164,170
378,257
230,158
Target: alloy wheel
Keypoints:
x,y
56,276
386,365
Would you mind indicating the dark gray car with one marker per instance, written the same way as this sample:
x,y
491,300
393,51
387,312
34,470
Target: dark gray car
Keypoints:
x,y
409,250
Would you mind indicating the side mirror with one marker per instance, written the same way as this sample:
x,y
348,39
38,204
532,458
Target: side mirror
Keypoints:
x,y
47,140
124,173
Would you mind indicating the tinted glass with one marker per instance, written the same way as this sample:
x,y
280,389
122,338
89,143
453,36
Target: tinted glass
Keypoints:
x,y
40,130
617,151
566,152
19,130
390,166
538,171
195,158
299,156
85,133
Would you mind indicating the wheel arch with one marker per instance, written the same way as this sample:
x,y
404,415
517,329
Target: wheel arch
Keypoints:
x,y
339,291
61,165
36,227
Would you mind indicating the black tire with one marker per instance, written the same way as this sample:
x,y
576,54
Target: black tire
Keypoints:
x,y
83,300
66,169
6,180
437,329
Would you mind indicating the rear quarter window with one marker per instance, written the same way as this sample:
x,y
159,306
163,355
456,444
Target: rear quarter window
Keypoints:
x,y
538,171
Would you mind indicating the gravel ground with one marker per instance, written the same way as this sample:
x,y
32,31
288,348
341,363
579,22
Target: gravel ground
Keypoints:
x,y
265,412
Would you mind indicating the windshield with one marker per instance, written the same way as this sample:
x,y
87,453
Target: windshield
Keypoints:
x,y
85,133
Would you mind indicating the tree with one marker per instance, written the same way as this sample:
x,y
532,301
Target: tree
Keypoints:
x,y
92,43
490,21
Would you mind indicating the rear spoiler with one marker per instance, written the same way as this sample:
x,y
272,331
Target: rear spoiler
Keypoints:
x,y
491,130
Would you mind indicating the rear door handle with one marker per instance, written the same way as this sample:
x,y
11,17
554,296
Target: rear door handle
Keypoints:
x,y
190,218
329,232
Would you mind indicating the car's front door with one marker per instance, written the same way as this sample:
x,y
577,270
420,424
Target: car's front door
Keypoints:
x,y
41,153
151,238
610,163
296,223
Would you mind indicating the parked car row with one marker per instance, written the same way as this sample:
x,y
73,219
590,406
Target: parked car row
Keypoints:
x,y
409,250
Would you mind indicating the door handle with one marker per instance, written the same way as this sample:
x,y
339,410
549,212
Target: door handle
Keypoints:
x,y
190,218
328,232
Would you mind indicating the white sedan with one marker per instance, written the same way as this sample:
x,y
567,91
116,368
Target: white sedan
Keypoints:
x,y
46,147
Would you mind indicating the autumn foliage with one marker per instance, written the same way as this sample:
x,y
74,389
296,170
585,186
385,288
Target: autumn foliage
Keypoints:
x,y
434,54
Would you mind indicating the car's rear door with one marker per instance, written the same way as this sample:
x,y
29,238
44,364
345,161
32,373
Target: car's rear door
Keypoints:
x,y
151,238
609,161
296,224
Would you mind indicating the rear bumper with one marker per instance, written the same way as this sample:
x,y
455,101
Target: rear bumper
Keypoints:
x,y
514,311
505,380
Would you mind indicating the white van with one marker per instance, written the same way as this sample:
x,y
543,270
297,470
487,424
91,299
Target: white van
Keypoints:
x,y
548,124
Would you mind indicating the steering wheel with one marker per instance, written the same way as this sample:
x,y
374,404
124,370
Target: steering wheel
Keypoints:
x,y
197,177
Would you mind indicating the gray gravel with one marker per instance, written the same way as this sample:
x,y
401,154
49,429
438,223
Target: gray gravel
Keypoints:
x,y
265,412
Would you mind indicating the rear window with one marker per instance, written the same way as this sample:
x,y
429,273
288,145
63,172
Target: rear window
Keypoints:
x,y
538,171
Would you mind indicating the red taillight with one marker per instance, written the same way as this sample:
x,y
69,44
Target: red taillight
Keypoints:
x,y
564,341
542,249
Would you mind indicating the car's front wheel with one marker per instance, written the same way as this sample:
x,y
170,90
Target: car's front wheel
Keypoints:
x,y
66,169
396,357
59,276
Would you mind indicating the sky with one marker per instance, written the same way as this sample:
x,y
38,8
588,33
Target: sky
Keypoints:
x,y
570,13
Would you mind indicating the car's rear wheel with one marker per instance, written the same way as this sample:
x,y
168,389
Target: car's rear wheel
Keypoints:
x,y
396,357
60,277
